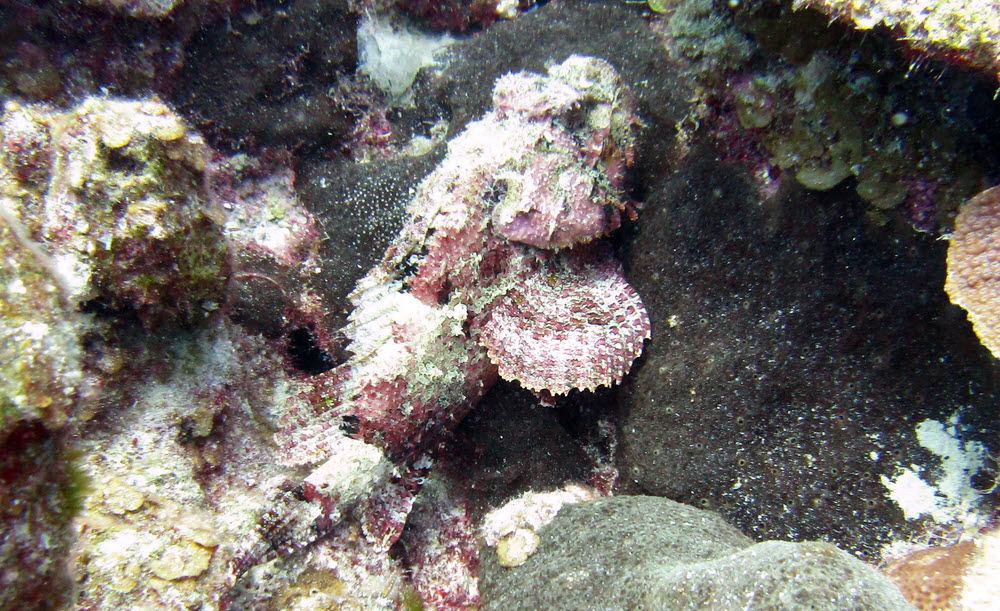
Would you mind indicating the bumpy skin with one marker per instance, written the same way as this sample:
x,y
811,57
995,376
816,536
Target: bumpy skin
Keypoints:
x,y
556,332
974,267
424,314
488,248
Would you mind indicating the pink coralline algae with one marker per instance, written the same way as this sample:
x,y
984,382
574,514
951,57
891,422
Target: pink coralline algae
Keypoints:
x,y
499,272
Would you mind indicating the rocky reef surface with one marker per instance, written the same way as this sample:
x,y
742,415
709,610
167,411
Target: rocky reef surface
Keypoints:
x,y
465,304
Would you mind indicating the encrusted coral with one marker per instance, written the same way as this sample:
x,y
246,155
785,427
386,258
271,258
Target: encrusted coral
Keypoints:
x,y
274,244
138,466
974,265
828,120
698,33
513,528
113,188
41,360
179,473
826,106
963,31
135,546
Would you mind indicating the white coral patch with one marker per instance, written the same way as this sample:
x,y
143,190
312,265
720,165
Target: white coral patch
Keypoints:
x,y
393,55
73,273
946,494
531,511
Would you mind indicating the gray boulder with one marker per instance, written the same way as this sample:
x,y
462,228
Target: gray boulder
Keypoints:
x,y
640,552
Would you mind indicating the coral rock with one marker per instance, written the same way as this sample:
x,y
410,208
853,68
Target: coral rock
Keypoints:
x,y
123,210
513,528
974,265
956,30
41,360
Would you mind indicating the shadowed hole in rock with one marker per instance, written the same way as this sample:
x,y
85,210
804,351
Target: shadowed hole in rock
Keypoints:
x,y
306,355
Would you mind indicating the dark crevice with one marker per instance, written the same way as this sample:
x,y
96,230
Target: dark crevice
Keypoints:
x,y
306,355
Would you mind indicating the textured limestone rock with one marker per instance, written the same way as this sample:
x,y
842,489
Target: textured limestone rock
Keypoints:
x,y
961,31
113,188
